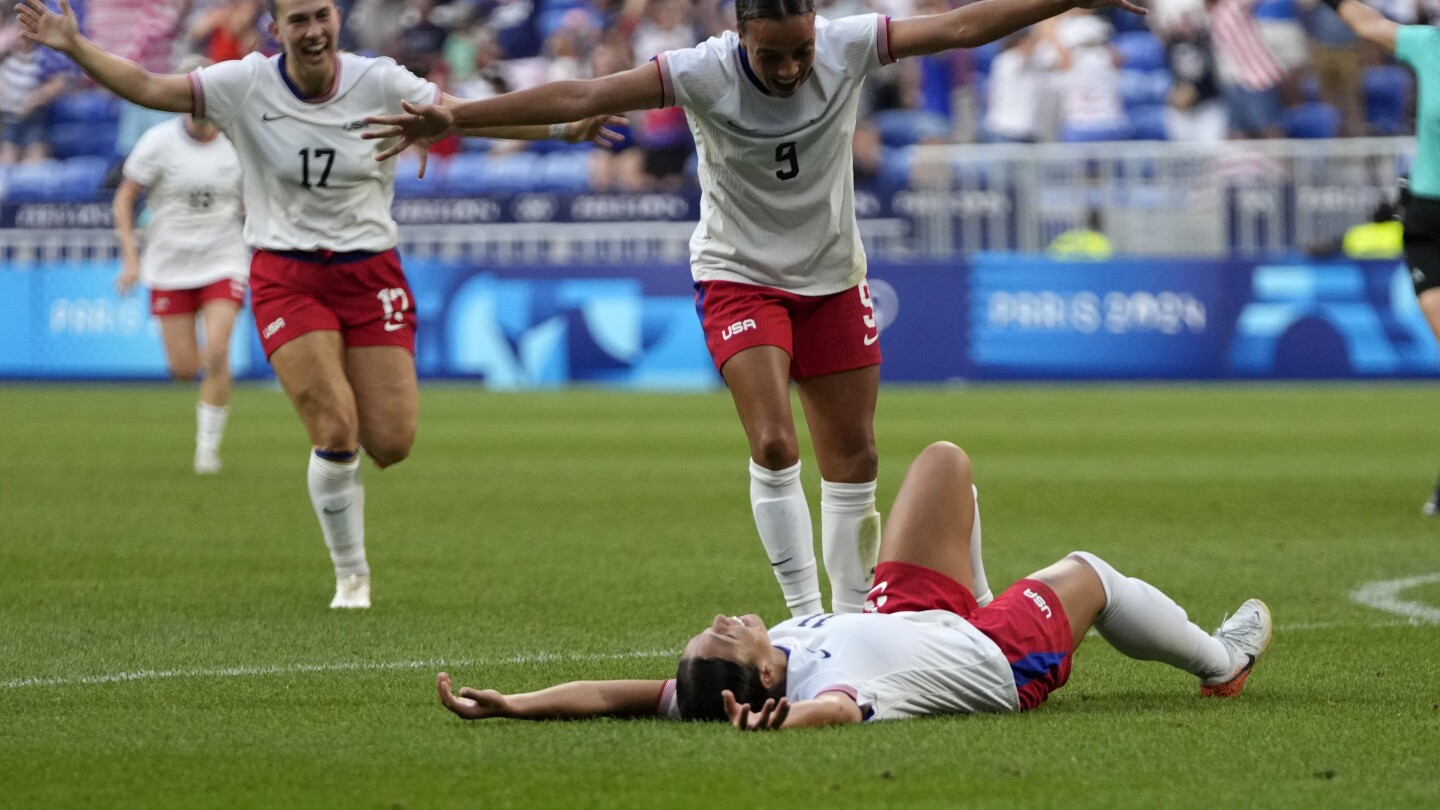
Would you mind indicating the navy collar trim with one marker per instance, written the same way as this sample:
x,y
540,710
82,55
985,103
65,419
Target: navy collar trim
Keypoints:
x,y
750,74
295,91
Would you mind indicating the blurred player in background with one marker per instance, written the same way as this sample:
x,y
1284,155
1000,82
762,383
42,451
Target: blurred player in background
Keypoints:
x,y
1419,47
334,310
777,258
932,640
195,262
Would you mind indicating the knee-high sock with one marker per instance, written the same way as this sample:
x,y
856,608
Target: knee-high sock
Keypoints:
x,y
209,425
783,519
339,501
1143,623
850,542
977,560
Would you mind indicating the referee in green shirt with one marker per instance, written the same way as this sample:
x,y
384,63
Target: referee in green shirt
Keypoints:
x,y
1419,47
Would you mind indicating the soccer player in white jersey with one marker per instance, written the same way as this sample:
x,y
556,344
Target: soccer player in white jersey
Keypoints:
x,y
932,639
195,263
334,311
778,265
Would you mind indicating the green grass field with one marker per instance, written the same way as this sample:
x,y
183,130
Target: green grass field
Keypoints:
x,y
165,640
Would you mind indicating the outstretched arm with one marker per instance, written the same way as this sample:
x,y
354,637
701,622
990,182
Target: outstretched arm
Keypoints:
x,y
553,103
979,23
61,32
573,700
1366,22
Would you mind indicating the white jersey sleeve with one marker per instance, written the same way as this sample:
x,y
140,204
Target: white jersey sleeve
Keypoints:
x,y
669,707
777,206
311,182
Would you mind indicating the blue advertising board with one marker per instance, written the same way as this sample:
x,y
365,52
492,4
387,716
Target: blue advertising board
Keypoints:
x,y
1000,317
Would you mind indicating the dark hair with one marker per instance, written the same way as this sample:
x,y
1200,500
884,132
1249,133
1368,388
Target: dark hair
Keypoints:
x,y
746,10
699,682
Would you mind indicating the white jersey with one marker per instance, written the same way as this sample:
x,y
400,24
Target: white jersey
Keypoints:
x,y
777,206
894,665
193,193
311,183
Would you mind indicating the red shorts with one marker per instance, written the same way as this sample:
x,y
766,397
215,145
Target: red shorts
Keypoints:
x,y
822,334
1026,621
188,302
363,296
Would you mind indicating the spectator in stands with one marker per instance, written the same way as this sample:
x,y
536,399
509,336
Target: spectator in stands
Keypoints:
x,y
1338,64
1250,75
144,32
618,168
663,134
485,77
1283,34
419,45
30,79
1088,80
374,24
1015,89
1195,110
225,31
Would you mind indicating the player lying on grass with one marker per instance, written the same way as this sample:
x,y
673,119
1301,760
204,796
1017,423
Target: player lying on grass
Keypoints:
x,y
932,639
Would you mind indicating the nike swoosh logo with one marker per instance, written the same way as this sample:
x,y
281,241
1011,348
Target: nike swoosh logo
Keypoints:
x,y
824,653
269,117
870,339
393,327
327,510
782,562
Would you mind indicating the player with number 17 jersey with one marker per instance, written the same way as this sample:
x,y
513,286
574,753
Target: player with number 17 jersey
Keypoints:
x,y
318,213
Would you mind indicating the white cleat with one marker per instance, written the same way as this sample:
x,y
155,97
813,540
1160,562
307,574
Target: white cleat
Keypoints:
x,y
1245,635
207,462
352,591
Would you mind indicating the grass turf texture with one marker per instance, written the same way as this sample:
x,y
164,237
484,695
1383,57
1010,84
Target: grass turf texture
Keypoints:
x,y
166,641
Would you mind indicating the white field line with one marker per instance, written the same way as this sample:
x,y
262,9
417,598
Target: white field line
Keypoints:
x,y
442,663
1386,596
353,666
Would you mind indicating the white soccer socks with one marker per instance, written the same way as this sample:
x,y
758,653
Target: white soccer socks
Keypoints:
x,y
783,520
983,596
339,500
1143,623
209,431
850,542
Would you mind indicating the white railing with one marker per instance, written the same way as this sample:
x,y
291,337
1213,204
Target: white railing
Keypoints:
x,y
1151,198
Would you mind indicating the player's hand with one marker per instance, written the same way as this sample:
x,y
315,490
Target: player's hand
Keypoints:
x,y
129,274
471,704
770,717
1120,4
44,27
421,125
597,130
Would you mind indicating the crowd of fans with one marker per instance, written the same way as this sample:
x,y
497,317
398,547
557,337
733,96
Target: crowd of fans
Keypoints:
x,y
1191,70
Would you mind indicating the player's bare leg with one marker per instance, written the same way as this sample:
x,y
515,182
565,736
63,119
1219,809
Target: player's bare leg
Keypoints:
x,y
1430,305
759,381
311,368
213,409
386,399
931,521
182,349
840,410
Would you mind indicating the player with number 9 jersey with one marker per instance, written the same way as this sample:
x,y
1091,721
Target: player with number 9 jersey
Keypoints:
x,y
777,260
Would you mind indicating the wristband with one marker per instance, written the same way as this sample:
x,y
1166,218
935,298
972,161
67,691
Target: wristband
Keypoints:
x,y
559,131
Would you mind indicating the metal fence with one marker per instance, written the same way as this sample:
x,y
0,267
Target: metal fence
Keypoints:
x,y
1250,198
